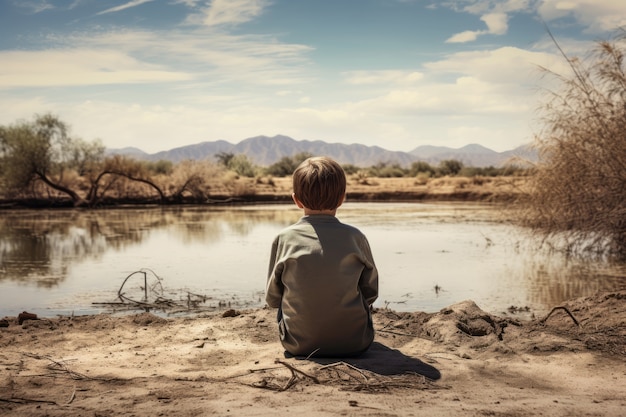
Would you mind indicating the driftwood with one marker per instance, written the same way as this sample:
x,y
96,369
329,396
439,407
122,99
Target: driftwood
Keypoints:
x,y
151,296
569,313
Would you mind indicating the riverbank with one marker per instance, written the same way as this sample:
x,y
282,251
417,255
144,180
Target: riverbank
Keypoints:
x,y
278,190
460,361
483,189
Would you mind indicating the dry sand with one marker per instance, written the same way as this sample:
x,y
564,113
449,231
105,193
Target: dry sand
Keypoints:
x,y
460,361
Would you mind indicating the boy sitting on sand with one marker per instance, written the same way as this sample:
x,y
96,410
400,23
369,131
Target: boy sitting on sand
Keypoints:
x,y
322,275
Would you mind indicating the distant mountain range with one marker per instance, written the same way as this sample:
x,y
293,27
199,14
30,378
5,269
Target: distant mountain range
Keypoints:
x,y
264,151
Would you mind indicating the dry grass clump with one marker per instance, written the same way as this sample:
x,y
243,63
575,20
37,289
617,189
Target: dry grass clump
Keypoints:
x,y
579,187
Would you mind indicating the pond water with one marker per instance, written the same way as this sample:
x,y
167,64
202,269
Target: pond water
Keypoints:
x,y
429,256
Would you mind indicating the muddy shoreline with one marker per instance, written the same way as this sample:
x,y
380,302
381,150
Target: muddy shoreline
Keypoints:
x,y
460,361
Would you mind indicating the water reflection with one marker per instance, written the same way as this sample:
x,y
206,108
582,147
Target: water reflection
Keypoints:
x,y
429,256
38,247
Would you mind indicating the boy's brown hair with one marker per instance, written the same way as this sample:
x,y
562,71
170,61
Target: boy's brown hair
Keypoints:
x,y
319,183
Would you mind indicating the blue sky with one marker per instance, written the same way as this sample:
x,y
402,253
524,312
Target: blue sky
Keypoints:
x,y
158,74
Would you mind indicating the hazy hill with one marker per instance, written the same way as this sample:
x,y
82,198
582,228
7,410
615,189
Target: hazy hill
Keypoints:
x,y
264,151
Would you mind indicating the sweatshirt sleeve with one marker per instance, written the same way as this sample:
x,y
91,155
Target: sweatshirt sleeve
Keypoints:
x,y
274,287
368,282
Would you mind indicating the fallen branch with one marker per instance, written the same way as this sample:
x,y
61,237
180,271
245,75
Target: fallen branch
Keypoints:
x,y
543,320
334,365
58,367
19,400
294,369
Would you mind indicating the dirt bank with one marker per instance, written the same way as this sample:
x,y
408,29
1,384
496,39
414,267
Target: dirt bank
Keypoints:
x,y
460,361
278,190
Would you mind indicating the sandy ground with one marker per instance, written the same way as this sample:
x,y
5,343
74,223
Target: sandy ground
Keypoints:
x,y
459,361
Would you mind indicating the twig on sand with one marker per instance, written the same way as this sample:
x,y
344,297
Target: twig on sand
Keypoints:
x,y
543,320
334,365
294,369
58,367
72,397
20,400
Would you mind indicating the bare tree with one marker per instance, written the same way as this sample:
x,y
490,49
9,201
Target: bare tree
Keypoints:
x,y
121,166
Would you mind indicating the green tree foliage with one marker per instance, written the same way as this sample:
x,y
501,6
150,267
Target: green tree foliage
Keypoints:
x,y
386,170
578,189
450,167
42,150
421,167
240,164
492,171
224,158
350,169
287,164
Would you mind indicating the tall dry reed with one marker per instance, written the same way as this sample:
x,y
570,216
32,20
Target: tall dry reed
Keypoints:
x,y
578,190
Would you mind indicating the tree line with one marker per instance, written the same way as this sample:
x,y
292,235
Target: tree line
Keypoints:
x,y
40,159
243,166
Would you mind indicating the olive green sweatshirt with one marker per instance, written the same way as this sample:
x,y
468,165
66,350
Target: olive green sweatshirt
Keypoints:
x,y
323,279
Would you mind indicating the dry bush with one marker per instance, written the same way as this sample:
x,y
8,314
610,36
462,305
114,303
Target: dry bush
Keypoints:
x,y
422,178
361,177
578,189
192,178
243,187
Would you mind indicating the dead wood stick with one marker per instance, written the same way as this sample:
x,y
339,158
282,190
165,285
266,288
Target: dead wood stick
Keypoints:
x,y
332,365
291,381
294,369
57,367
19,400
543,320
251,371
72,397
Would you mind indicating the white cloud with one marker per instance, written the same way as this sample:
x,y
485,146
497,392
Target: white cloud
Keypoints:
x,y
505,65
596,15
465,96
494,13
496,23
73,67
188,3
466,36
285,93
130,4
229,12
131,56
382,77
34,6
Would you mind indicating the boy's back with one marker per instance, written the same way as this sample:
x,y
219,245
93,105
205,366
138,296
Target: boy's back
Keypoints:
x,y
323,278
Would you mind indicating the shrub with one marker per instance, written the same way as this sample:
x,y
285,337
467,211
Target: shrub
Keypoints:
x,y
449,167
421,167
578,188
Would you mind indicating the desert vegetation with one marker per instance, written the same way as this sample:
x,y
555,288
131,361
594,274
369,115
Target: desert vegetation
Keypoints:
x,y
578,189
43,164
